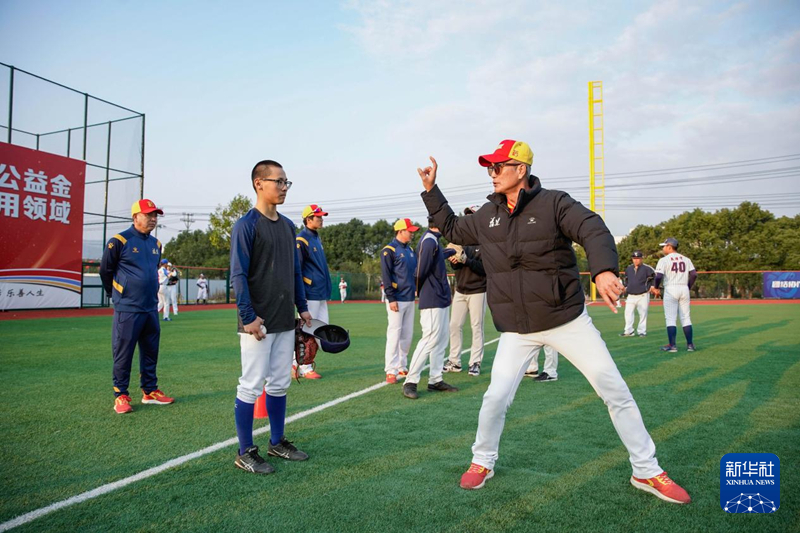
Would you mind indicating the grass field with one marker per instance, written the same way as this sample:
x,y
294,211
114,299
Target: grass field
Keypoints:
x,y
381,462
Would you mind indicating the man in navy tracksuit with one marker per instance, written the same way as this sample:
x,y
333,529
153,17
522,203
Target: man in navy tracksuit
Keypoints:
x,y
129,270
434,305
314,267
398,266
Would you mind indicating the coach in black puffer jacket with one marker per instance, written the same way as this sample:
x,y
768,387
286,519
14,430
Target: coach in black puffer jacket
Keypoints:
x,y
533,282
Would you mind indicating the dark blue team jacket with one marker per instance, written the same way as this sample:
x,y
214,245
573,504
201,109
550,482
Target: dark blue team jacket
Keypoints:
x,y
398,267
129,270
313,265
434,291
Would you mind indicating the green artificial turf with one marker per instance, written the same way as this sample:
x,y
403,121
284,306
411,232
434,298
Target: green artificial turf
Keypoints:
x,y
381,462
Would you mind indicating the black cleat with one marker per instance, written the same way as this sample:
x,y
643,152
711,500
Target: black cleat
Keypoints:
x,y
671,348
286,450
410,391
690,347
441,387
544,376
475,369
623,334
250,461
531,373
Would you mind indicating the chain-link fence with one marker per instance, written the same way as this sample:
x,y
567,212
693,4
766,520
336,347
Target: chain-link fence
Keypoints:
x,y
44,115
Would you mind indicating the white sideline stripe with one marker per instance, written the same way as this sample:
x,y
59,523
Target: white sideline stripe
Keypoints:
x,y
150,472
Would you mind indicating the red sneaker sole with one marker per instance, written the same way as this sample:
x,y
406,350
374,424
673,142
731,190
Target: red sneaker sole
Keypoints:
x,y
490,475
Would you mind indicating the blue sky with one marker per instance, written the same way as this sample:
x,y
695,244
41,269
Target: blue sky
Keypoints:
x,y
352,96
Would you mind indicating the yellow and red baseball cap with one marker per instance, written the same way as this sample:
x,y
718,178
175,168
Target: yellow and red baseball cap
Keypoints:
x,y
145,206
313,210
405,223
508,149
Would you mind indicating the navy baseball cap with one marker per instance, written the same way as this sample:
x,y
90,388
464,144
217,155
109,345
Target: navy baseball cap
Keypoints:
x,y
637,253
164,261
332,339
672,241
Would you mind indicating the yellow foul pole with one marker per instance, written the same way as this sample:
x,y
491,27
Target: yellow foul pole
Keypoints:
x,y
597,174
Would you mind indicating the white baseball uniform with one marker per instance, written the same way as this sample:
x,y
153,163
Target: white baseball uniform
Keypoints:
x,y
202,289
163,276
342,290
675,268
550,361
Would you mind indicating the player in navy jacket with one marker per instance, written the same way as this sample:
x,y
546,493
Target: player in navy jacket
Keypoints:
x,y
129,271
398,265
314,267
434,305
265,273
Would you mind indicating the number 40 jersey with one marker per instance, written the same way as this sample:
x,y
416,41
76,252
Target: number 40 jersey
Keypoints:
x,y
675,268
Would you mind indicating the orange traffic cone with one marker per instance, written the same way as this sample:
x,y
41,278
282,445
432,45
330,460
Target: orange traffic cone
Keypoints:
x,y
261,406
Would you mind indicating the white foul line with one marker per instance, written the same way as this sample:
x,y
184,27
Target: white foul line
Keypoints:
x,y
110,487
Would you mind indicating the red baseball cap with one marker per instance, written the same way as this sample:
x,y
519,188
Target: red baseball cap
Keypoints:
x,y
508,149
145,206
313,210
405,223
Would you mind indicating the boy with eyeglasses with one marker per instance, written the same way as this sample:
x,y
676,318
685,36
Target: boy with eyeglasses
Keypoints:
x,y
266,275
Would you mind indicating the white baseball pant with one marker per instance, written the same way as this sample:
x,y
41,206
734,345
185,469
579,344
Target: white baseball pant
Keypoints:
x,y
172,296
319,310
433,343
581,343
633,303
475,305
202,294
162,300
550,361
268,361
676,302
398,336
343,294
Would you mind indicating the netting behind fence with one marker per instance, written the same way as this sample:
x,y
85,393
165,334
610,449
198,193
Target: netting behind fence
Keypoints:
x,y
44,115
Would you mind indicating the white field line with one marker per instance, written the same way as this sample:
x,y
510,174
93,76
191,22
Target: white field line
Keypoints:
x,y
110,487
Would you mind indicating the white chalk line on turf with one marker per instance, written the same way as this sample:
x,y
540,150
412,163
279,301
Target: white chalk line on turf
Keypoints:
x,y
172,463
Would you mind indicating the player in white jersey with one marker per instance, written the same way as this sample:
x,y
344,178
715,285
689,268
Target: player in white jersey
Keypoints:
x,y
678,274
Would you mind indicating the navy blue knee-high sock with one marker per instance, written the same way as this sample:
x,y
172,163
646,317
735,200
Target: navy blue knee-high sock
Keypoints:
x,y
276,409
687,330
672,333
243,412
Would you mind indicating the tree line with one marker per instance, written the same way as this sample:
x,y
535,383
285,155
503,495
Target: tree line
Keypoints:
x,y
744,238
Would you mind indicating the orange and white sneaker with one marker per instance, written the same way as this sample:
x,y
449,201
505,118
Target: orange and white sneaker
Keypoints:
x,y
403,373
475,477
157,397
312,375
663,487
391,378
122,404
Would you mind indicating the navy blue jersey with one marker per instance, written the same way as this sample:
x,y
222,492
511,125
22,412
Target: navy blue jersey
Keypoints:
x,y
129,270
265,272
434,291
398,267
639,281
313,265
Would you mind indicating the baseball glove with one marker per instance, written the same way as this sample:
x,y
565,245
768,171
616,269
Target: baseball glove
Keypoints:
x,y
305,345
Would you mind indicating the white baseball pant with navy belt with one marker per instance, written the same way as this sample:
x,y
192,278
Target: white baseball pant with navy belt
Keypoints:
x,y
433,343
550,361
640,303
676,302
581,343
398,336
266,365
475,304
319,310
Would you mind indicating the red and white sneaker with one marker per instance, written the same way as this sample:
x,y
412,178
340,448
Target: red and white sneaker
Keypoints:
x,y
402,373
157,397
475,477
122,404
391,378
312,375
663,487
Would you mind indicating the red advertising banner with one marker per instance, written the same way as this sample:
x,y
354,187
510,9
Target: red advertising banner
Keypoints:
x,y
41,228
